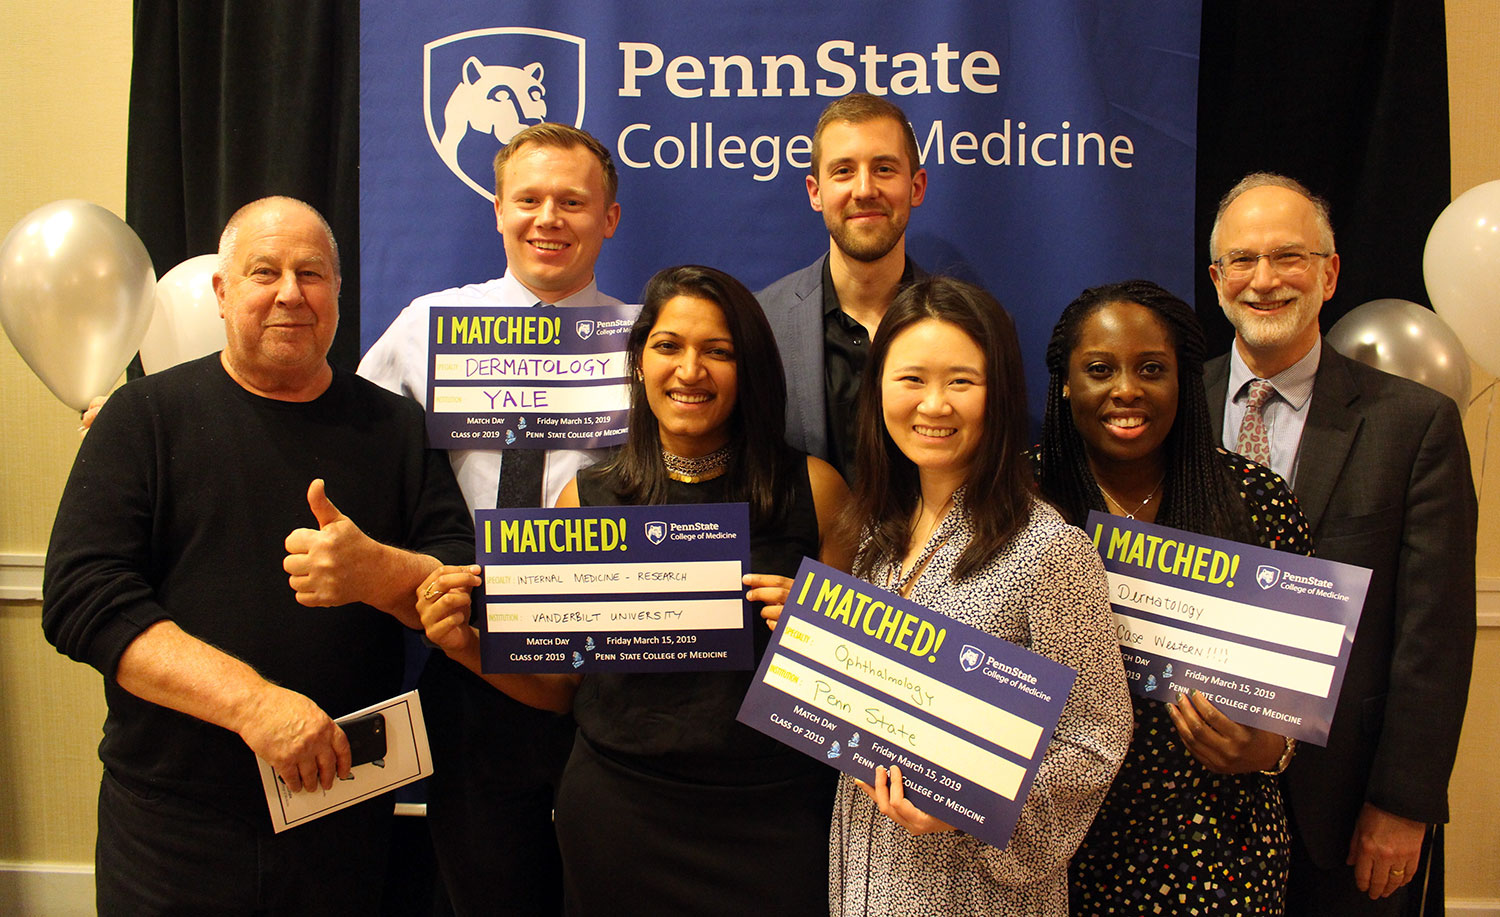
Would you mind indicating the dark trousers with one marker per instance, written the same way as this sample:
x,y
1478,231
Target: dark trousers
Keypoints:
x,y
159,853
1314,892
496,767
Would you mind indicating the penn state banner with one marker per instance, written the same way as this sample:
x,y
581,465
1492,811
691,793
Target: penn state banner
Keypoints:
x,y
1058,136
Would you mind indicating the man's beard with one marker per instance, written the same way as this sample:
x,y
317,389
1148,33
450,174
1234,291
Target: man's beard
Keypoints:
x,y
1260,330
866,246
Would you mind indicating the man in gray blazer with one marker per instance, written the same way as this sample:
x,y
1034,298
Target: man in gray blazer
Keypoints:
x,y
866,177
1381,469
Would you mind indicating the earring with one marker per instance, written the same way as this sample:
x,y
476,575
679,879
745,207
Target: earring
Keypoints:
x,y
1065,391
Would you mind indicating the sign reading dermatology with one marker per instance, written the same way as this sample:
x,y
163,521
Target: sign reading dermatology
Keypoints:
x,y
615,589
860,678
1265,635
502,378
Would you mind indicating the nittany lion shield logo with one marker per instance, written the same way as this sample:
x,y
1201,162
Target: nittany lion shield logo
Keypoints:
x,y
970,657
656,532
585,329
1266,576
481,88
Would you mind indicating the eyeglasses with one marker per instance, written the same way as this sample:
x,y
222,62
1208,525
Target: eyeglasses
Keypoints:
x,y
1288,262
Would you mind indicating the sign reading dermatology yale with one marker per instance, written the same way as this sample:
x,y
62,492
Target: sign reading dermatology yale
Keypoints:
x,y
1265,635
860,677
527,378
615,589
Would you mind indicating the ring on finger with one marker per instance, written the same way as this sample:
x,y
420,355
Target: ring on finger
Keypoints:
x,y
430,592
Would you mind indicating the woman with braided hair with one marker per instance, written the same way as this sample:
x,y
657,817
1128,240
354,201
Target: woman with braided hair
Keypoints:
x,y
1194,822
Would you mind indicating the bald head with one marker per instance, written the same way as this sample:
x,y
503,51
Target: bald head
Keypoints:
x,y
1273,180
230,236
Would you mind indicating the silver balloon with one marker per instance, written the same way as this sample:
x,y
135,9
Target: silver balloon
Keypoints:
x,y
76,288
1406,340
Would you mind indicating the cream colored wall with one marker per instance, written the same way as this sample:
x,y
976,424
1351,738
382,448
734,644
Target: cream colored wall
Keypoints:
x,y
63,142
64,92
1474,110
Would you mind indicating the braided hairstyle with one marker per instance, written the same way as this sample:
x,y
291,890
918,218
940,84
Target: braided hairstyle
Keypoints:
x,y
1201,493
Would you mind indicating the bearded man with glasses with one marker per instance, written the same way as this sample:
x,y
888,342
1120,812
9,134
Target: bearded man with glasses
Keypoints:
x,y
1381,469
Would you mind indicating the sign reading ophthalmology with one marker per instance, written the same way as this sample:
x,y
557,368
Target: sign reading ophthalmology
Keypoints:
x,y
863,678
1058,136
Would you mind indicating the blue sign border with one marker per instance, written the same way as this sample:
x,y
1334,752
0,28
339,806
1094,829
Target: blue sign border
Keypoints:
x,y
692,532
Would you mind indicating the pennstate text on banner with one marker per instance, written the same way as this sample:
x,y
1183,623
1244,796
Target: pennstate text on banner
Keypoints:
x,y
860,677
615,589
1264,635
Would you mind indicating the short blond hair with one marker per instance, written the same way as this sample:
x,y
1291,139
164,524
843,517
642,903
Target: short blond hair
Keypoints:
x,y
565,137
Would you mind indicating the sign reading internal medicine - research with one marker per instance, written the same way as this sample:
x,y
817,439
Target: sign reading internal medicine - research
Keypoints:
x,y
1059,137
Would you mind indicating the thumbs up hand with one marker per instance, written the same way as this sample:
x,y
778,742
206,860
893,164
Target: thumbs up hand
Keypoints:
x,y
329,564
322,508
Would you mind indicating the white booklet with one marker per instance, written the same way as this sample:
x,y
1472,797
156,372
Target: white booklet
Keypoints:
x,y
389,745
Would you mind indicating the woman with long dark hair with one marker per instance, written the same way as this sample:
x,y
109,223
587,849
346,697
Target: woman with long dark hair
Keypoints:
x,y
668,805
946,517
1194,822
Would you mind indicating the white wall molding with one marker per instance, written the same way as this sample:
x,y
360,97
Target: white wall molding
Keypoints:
x,y
1472,907
1488,606
54,889
21,577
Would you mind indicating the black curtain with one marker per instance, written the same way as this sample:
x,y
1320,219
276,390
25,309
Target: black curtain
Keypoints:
x,y
1351,99
234,100
231,100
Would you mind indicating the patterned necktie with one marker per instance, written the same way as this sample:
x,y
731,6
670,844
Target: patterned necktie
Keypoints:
x,y
520,484
520,479
1255,438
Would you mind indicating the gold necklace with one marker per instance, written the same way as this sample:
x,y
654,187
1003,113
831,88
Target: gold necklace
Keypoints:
x,y
901,584
937,519
1121,507
696,470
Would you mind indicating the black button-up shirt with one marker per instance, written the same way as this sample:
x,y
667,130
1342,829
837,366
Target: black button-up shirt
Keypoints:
x,y
846,346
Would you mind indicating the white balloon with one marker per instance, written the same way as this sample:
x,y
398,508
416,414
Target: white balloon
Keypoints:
x,y
75,296
185,323
1461,266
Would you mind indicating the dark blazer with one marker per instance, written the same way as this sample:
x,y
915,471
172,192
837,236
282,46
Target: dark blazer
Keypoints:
x,y
794,307
1383,477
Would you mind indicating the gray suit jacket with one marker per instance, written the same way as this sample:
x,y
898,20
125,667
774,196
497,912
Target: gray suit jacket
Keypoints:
x,y
1384,480
794,307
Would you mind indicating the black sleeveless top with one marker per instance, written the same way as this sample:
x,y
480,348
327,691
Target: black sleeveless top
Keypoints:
x,y
682,724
